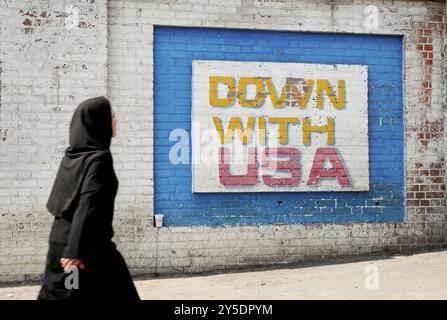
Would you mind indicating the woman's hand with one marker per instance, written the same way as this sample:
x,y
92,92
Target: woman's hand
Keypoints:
x,y
68,264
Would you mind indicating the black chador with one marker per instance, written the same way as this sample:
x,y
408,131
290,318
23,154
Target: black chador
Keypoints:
x,y
82,203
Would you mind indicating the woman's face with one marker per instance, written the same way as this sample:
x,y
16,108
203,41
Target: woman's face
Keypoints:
x,y
113,124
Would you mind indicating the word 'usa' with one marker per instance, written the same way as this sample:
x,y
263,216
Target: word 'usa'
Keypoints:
x,y
318,171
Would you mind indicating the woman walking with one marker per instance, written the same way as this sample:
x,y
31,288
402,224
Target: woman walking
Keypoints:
x,y
82,262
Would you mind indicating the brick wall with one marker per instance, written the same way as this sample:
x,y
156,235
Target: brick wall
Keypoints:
x,y
48,64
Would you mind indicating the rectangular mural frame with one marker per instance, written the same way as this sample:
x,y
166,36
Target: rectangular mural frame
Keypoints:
x,y
318,112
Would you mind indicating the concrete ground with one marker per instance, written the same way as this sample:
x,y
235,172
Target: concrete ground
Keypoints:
x,y
420,276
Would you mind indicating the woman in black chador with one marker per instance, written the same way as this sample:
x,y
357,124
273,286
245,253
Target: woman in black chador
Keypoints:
x,y
83,262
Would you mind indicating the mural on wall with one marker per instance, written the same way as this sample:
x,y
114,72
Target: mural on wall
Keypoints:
x,y
271,126
280,103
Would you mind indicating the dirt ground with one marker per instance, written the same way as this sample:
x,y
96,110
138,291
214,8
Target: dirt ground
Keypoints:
x,y
420,276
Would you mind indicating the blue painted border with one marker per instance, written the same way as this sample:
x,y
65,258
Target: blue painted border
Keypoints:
x,y
174,50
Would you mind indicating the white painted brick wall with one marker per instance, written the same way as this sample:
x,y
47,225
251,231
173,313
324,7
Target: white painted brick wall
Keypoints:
x,y
47,69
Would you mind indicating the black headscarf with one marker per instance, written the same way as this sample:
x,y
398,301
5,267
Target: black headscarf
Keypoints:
x,y
90,137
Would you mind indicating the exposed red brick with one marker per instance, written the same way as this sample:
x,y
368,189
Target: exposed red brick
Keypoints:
x,y
435,173
436,165
420,195
435,194
412,203
437,179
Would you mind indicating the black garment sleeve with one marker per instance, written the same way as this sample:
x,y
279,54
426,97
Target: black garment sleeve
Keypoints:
x,y
88,206
92,202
